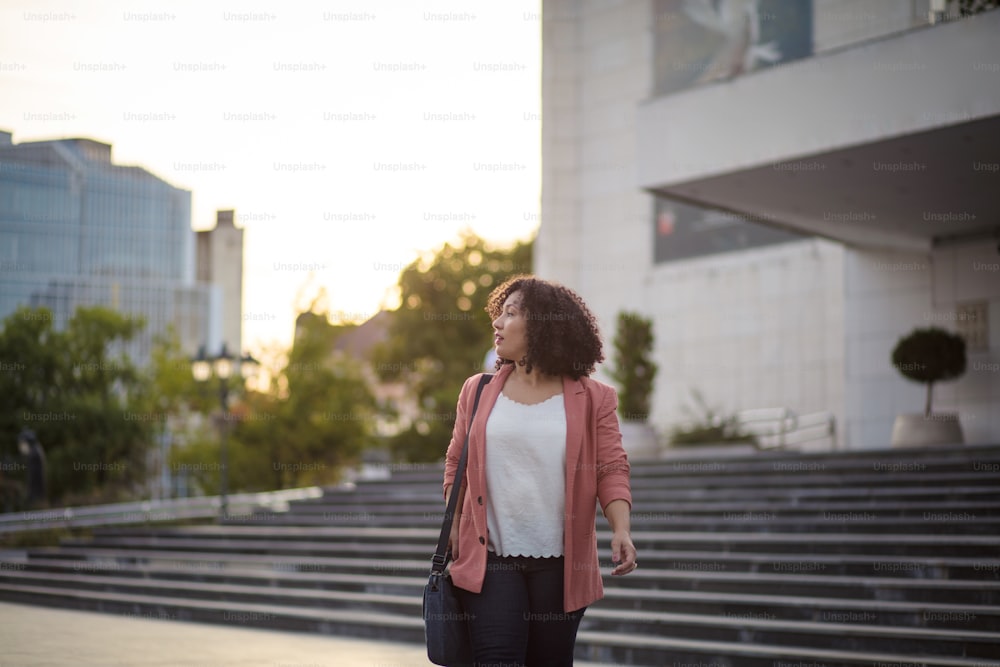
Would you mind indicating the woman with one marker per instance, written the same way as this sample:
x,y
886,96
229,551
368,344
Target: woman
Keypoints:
x,y
544,448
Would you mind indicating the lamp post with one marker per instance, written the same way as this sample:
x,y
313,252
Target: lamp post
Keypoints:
x,y
223,366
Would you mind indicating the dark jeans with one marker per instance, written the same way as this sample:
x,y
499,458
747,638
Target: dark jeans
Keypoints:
x,y
518,620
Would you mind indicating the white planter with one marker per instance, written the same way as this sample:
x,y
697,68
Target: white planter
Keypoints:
x,y
918,430
639,440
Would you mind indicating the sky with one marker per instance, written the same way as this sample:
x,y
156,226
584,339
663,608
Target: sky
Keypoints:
x,y
349,136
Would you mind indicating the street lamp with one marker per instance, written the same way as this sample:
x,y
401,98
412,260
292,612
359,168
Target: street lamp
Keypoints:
x,y
222,365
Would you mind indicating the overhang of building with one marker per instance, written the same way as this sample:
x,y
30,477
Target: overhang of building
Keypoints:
x,y
894,143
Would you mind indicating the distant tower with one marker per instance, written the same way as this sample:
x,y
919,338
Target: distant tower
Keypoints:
x,y
220,262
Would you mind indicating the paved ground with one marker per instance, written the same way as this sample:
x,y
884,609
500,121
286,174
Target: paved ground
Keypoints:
x,y
35,636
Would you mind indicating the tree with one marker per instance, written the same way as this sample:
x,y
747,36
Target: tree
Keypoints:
x,y
328,417
440,334
106,392
30,366
634,370
83,397
177,399
930,355
173,389
317,416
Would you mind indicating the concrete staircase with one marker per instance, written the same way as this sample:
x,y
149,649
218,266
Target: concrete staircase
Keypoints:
x,y
861,558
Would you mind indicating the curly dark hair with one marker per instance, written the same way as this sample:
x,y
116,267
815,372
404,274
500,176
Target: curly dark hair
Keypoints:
x,y
563,338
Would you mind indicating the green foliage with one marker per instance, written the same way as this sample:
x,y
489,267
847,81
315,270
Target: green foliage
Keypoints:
x,y
930,355
316,415
173,401
634,370
83,398
317,418
173,389
96,415
440,335
707,426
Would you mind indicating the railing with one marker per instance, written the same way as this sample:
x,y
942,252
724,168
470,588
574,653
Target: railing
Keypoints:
x,y
781,428
153,511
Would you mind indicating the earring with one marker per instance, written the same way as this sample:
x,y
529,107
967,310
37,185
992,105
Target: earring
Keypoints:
x,y
523,361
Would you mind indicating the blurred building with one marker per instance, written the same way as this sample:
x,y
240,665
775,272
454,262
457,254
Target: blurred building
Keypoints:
x,y
786,188
220,263
78,230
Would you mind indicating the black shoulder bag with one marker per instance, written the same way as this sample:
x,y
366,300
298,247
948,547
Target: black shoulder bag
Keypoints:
x,y
446,626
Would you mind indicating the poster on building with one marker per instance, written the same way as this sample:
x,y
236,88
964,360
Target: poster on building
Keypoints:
x,y
699,41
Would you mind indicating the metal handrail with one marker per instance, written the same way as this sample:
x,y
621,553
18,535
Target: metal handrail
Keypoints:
x,y
153,511
778,428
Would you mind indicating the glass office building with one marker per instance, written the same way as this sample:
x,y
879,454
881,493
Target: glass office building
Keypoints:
x,y
76,229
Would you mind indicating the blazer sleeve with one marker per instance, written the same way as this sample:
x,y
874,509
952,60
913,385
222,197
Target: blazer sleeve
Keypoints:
x,y
454,452
612,462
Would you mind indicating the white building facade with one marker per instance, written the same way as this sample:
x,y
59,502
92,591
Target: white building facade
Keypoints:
x,y
786,189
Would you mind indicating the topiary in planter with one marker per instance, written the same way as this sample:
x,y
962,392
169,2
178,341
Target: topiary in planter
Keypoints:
x,y
930,355
634,369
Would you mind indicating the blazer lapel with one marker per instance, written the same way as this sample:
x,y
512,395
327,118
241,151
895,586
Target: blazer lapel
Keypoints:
x,y
477,441
575,400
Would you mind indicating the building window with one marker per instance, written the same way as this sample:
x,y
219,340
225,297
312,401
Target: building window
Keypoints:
x,y
972,322
681,231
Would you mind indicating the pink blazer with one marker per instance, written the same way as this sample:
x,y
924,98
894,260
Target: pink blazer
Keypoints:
x,y
597,469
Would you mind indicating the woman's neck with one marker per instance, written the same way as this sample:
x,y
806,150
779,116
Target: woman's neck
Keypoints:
x,y
533,379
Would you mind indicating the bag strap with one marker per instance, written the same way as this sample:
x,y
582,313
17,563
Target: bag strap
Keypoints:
x,y
442,555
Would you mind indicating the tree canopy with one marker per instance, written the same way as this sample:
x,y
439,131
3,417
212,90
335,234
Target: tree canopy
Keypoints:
x,y
441,334
84,399
316,416
325,417
97,416
930,355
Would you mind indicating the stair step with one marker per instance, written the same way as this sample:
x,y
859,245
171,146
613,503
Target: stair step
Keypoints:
x,y
975,458
880,588
694,509
725,488
765,521
811,608
352,622
282,539
631,649
208,560
858,564
325,597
